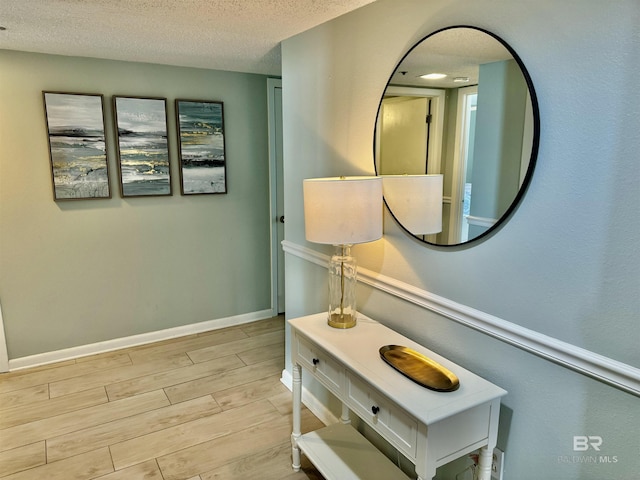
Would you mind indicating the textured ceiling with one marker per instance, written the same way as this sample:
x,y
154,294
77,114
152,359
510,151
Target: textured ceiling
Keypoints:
x,y
236,35
456,52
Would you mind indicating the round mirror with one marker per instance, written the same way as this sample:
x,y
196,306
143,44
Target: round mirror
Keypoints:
x,y
460,104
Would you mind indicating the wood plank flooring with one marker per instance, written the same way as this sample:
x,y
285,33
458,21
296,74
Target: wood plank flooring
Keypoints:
x,y
202,407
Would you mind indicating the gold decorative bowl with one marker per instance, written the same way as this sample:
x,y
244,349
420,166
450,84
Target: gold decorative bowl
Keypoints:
x,y
422,370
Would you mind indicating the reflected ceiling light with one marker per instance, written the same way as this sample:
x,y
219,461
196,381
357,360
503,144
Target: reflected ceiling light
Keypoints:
x,y
434,76
461,79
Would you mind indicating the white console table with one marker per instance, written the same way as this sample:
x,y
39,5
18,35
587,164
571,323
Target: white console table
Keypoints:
x,y
430,428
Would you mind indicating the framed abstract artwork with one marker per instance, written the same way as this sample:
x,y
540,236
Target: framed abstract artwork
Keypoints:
x,y
77,147
201,147
143,149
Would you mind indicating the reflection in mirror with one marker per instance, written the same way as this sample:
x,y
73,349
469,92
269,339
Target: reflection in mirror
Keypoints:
x,y
461,104
416,200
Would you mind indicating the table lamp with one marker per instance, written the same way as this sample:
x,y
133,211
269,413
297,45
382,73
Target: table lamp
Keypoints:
x,y
342,211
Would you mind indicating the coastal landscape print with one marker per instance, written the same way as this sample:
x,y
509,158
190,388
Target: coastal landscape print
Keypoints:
x,y
201,147
143,151
77,149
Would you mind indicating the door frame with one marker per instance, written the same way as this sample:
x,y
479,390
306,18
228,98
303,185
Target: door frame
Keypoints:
x,y
459,164
273,131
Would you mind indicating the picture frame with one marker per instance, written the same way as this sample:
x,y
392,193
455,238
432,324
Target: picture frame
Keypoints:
x,y
201,147
142,146
77,146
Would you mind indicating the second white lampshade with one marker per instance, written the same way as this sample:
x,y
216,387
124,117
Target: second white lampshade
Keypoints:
x,y
415,201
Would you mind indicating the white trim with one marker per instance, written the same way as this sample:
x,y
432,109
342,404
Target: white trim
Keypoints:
x,y
605,369
318,408
4,357
305,253
134,340
481,221
459,163
287,379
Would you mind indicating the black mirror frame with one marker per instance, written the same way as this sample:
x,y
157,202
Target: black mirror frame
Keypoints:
x,y
534,146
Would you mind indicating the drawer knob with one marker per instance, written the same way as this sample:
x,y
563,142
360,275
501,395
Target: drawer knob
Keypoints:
x,y
375,410
316,361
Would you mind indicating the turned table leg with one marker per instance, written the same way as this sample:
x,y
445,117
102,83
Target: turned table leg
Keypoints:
x,y
297,405
484,463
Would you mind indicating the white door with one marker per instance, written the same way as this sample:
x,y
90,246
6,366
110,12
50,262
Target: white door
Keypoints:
x,y
274,89
403,136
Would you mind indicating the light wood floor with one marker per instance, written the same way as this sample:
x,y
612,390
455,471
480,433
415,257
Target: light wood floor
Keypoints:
x,y
202,407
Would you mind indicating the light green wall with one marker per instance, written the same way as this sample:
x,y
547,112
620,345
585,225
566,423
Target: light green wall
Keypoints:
x,y
502,97
80,272
566,263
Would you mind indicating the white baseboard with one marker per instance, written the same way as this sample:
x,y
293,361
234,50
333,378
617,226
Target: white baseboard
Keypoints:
x,y
310,401
605,369
4,358
134,340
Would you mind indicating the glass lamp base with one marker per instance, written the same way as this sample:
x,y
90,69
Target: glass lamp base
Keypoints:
x,y
342,321
342,288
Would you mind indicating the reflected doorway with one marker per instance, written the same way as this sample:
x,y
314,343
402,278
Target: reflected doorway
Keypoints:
x,y
463,164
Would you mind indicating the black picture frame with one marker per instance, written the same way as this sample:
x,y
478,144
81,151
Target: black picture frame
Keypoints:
x,y
142,146
77,145
201,147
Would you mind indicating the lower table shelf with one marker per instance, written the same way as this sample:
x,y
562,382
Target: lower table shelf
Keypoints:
x,y
339,451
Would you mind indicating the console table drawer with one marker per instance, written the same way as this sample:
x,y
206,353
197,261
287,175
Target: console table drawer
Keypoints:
x,y
323,367
382,414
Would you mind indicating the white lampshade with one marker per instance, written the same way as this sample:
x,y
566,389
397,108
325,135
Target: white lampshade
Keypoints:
x,y
343,210
415,201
